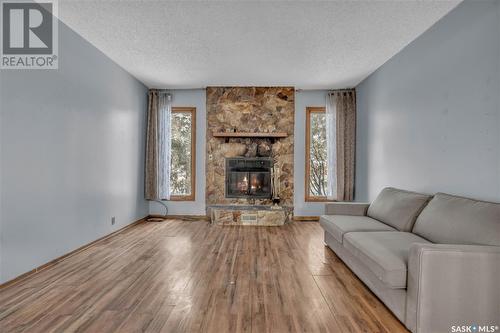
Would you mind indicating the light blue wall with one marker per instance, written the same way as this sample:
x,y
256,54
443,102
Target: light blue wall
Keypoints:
x,y
303,99
196,98
429,119
72,155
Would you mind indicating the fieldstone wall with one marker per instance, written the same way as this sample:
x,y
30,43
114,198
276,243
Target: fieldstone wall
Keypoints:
x,y
249,109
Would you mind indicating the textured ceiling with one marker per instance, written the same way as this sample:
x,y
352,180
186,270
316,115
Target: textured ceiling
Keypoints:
x,y
310,45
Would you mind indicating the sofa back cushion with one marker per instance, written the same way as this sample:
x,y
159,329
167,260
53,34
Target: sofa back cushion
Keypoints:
x,y
398,208
449,219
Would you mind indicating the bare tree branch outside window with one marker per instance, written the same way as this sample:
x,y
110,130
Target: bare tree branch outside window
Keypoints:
x,y
180,176
317,152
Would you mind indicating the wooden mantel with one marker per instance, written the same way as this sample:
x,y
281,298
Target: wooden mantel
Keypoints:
x,y
250,135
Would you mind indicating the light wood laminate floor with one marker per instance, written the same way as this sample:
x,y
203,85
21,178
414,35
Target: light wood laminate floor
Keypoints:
x,y
180,276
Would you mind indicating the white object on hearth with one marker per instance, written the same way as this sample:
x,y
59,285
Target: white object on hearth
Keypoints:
x,y
275,180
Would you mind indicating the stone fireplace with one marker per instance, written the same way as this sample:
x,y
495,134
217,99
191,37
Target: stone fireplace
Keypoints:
x,y
248,130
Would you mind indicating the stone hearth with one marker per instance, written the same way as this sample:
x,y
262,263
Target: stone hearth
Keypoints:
x,y
249,215
254,110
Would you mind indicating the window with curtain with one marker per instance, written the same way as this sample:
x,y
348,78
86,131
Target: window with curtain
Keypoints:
x,y
316,182
183,145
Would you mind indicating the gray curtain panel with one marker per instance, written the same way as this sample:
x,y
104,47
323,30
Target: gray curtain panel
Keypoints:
x,y
346,143
157,173
331,146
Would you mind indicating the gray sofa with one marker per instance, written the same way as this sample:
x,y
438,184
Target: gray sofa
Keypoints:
x,y
433,260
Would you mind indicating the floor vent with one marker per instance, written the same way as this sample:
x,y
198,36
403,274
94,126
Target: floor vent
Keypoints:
x,y
249,218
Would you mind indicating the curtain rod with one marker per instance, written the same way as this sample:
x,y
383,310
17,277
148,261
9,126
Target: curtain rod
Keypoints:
x,y
344,89
173,89
296,89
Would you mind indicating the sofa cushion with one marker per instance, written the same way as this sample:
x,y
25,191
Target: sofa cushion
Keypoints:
x,y
450,219
398,208
338,225
384,253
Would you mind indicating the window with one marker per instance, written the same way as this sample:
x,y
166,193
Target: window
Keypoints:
x,y
316,159
183,175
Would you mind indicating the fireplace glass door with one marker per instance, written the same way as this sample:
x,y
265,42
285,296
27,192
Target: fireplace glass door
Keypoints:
x,y
248,178
238,184
259,184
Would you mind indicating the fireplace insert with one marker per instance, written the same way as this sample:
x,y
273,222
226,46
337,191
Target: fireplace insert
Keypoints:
x,y
248,177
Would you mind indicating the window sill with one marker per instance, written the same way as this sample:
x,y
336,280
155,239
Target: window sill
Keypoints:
x,y
181,198
318,199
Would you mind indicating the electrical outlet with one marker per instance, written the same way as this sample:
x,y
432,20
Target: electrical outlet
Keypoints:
x,y
113,220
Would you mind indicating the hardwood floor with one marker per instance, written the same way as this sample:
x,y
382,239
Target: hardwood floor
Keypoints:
x,y
180,276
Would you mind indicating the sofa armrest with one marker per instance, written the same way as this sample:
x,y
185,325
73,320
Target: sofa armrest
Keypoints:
x,y
346,208
451,285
